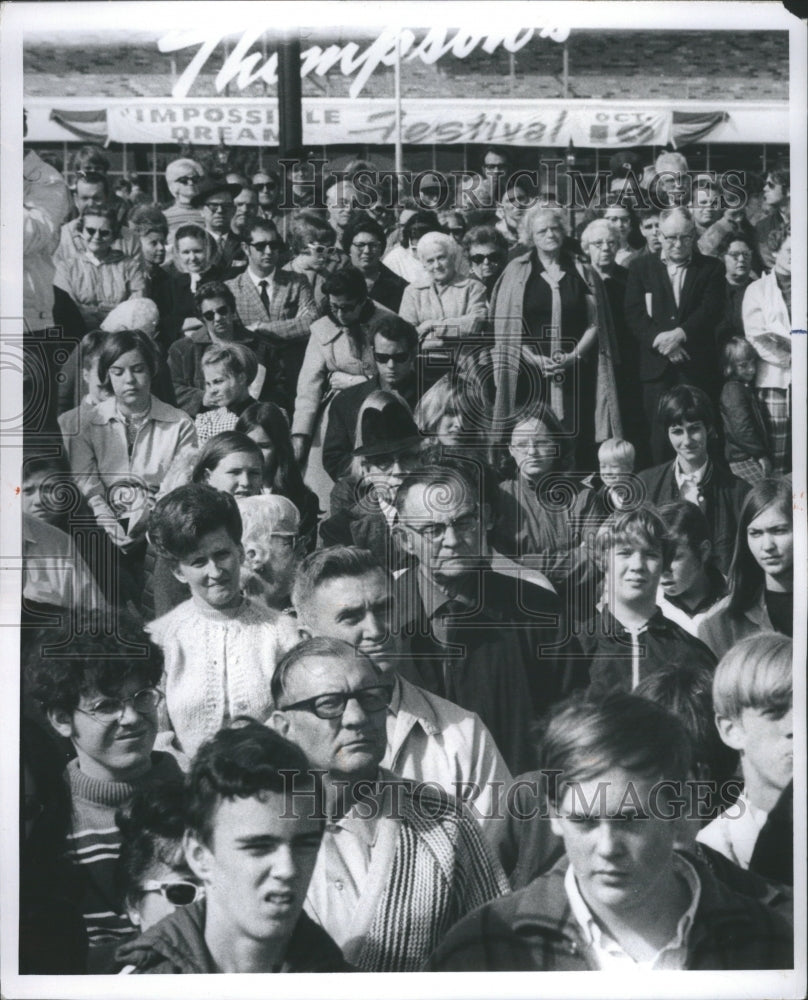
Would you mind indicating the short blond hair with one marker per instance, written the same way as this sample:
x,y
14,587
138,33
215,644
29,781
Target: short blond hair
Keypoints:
x,y
617,450
756,673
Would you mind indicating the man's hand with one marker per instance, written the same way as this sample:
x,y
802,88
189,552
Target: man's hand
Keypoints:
x,y
669,341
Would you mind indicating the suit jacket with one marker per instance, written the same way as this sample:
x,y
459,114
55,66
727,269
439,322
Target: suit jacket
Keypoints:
x,y
291,304
651,308
509,659
723,496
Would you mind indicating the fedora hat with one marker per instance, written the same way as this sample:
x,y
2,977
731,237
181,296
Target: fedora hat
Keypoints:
x,y
209,187
385,425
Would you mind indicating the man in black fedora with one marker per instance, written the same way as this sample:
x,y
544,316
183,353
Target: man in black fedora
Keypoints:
x,y
216,199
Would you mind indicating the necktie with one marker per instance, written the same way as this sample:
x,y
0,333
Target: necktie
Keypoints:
x,y
556,390
262,285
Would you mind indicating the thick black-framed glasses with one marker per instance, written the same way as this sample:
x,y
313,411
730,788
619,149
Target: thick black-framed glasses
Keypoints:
x,y
111,709
332,706
435,531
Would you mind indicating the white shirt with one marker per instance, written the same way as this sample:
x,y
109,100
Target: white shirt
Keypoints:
x,y
606,950
689,483
257,280
735,832
676,273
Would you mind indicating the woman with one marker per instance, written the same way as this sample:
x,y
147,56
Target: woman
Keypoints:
x,y
626,226
403,259
267,425
151,227
100,277
193,253
454,413
534,506
339,354
767,326
120,458
183,178
386,448
364,241
487,251
545,333
316,256
761,577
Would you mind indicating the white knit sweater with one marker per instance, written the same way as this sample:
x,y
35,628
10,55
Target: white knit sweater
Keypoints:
x,y
218,667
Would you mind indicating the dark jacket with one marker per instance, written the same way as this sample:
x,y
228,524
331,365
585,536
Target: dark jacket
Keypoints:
x,y
181,298
177,945
773,856
533,930
698,312
745,434
509,659
357,519
731,322
388,289
340,435
723,496
615,659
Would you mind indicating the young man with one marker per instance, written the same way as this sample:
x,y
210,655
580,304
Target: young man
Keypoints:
x,y
252,841
686,417
629,636
345,593
100,692
220,647
399,863
623,899
395,346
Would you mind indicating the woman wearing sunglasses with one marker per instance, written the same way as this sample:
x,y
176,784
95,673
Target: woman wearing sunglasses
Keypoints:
x,y
102,276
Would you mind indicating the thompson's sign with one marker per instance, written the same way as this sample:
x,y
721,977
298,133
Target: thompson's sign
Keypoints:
x,y
333,121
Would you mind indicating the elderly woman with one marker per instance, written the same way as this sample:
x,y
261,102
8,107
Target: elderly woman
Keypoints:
x,y
364,241
272,548
100,277
545,332
445,308
183,178
487,251
403,259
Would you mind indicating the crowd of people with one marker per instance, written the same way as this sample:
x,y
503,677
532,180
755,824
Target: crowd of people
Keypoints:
x,y
407,582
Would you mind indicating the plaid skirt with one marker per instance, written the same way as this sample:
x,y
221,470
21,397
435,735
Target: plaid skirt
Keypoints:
x,y
775,406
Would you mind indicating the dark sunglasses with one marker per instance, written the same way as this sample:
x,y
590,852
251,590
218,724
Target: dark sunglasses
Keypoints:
x,y
211,314
261,245
177,893
90,175
268,186
103,233
399,357
486,258
187,180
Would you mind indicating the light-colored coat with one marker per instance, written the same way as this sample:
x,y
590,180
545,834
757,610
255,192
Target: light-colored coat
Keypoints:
x,y
459,307
767,326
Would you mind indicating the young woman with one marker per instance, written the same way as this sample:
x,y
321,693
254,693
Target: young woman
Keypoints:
x,y
266,424
761,577
193,253
231,462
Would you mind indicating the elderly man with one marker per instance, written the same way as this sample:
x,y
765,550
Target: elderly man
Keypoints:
x,y
216,199
340,201
345,593
93,192
273,302
400,862
183,178
673,304
494,644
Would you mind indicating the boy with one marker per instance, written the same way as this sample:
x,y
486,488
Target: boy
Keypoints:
x,y
611,489
629,636
220,646
623,899
99,690
252,840
686,415
230,371
752,697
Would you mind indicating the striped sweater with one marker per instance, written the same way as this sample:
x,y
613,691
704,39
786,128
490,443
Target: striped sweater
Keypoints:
x,y
94,843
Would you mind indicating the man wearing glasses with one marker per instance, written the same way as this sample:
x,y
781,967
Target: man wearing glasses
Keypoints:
x,y
272,302
99,691
673,304
399,863
251,839
493,644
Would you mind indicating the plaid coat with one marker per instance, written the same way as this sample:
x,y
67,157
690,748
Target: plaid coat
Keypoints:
x,y
533,930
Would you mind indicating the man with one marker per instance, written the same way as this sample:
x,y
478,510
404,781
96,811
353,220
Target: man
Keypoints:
x,y
706,205
216,201
399,863
340,200
395,346
216,307
673,303
345,593
494,644
623,899
95,192
274,303
252,841
245,212
772,227
270,192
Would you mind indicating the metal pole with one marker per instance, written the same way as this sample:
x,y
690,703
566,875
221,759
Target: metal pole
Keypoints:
x,y
397,79
290,109
565,71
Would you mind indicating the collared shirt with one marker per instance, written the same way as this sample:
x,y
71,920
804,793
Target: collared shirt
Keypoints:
x,y
609,953
435,598
735,832
689,483
52,570
676,273
257,279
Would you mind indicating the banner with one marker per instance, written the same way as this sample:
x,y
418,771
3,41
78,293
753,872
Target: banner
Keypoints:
x,y
334,121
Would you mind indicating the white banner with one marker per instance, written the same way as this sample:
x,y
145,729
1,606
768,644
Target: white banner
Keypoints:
x,y
335,121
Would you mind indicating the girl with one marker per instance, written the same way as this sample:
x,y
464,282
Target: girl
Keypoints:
x,y
229,371
266,425
230,462
746,440
761,577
